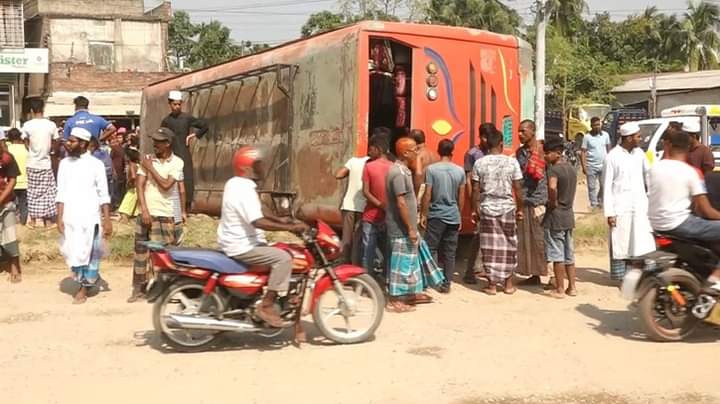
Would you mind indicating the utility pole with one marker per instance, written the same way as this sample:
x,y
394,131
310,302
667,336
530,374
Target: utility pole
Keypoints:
x,y
540,70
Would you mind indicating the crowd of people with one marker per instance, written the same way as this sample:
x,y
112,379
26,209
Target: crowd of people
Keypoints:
x,y
75,178
402,209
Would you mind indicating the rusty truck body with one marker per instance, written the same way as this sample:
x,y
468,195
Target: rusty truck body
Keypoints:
x,y
314,101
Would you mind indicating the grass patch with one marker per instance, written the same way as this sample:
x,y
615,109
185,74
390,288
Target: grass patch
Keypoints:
x,y
42,246
591,231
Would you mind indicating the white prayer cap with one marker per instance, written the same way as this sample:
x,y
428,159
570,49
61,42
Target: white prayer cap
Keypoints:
x,y
691,126
175,95
629,129
81,133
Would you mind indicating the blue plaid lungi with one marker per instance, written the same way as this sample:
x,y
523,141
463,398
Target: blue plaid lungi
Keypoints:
x,y
87,275
412,268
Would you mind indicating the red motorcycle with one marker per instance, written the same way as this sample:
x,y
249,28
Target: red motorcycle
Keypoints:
x,y
199,294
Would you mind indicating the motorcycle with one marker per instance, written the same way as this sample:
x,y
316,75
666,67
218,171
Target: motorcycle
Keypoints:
x,y
671,300
199,294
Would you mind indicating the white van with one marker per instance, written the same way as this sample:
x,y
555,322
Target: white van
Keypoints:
x,y
651,131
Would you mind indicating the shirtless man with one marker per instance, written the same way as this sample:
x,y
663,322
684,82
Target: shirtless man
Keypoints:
x,y
425,157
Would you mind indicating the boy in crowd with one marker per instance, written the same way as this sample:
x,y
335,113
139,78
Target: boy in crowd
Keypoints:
x,y
560,218
19,151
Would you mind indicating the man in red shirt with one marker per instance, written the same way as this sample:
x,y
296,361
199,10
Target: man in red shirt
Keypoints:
x,y
373,218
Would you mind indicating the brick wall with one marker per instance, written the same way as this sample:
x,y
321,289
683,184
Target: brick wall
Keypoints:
x,y
81,77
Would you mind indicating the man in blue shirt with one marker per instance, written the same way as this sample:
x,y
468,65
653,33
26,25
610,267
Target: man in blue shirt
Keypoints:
x,y
97,126
595,147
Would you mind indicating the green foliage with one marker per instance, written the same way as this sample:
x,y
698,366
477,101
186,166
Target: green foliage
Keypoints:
x,y
489,15
700,36
321,22
201,45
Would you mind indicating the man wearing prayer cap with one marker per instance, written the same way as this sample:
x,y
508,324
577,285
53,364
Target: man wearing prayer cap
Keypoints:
x,y
625,201
186,129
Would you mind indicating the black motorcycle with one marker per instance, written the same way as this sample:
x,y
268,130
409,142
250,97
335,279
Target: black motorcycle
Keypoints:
x,y
669,288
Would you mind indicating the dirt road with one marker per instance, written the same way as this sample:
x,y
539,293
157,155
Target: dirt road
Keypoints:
x,y
466,348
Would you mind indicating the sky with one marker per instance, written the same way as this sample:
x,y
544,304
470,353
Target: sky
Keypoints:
x,y
277,21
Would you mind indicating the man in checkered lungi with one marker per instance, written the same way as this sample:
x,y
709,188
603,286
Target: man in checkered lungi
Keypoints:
x,y
412,268
156,180
496,184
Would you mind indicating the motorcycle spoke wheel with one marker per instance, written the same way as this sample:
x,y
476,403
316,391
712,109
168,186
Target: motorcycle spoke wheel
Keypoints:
x,y
664,319
355,319
185,299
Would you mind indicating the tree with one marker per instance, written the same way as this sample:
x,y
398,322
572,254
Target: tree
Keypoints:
x,y
566,15
490,15
180,37
213,45
701,41
321,22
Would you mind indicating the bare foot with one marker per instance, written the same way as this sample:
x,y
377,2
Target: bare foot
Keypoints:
x,y
397,306
80,296
571,292
556,294
490,290
15,277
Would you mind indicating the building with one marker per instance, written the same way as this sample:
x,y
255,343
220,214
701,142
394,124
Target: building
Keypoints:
x,y
16,62
672,89
107,51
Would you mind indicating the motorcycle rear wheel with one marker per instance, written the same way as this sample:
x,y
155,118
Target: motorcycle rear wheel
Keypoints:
x,y
363,291
187,292
676,323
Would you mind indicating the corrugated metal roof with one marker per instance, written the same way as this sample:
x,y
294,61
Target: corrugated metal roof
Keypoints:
x,y
673,81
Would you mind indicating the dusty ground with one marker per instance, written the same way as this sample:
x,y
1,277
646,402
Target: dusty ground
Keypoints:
x,y
466,348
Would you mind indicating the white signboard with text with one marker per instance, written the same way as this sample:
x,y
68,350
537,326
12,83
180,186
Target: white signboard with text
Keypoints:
x,y
27,60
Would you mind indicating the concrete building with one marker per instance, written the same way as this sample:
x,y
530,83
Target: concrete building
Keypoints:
x,y
107,51
672,89
16,62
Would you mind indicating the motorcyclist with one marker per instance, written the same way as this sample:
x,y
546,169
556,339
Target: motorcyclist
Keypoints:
x,y
678,196
240,233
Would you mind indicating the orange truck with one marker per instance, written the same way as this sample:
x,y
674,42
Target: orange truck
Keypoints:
x,y
315,100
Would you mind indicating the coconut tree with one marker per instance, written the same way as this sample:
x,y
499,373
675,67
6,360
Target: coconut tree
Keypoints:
x,y
701,42
566,15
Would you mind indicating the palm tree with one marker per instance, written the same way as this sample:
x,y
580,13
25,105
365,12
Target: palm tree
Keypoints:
x,y
701,40
566,15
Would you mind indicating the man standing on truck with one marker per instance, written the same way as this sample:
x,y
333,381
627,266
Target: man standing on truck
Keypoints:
x,y
595,146
186,129
700,156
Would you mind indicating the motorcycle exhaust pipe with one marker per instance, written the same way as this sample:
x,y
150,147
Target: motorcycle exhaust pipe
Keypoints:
x,y
183,321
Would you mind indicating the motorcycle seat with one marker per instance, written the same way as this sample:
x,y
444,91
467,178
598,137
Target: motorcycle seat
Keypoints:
x,y
212,260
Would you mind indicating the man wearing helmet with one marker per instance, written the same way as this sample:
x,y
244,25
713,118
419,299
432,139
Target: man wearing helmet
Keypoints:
x,y
240,233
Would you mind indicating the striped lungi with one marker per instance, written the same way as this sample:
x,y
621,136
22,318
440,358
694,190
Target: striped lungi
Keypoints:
x,y
162,230
87,275
41,192
412,268
499,246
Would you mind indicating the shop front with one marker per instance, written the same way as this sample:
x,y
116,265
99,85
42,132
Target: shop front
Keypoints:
x,y
15,67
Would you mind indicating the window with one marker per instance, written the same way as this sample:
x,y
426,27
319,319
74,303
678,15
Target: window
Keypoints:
x,y
102,55
12,32
646,134
6,104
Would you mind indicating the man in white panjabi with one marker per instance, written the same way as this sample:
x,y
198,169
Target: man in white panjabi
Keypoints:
x,y
82,193
625,201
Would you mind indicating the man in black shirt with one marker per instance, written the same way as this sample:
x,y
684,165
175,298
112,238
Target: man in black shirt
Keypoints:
x,y
186,128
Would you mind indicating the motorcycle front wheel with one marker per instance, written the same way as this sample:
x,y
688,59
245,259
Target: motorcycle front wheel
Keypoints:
x,y
357,319
184,297
663,318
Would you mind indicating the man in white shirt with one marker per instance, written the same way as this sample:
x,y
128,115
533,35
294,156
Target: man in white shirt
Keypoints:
x,y
353,204
240,233
82,195
676,190
40,133
625,201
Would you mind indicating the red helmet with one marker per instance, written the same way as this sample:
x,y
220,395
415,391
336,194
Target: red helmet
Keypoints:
x,y
244,159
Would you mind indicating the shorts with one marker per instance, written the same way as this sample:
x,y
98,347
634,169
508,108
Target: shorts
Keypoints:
x,y
559,246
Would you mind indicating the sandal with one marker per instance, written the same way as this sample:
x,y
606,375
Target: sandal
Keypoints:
x,y
398,307
571,292
488,291
510,291
420,298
